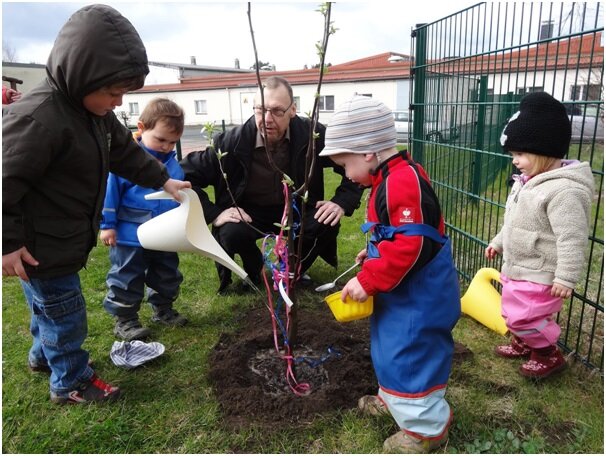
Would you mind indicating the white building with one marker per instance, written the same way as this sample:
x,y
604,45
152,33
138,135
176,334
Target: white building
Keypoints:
x,y
228,97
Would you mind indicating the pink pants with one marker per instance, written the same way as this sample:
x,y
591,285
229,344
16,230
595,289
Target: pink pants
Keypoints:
x,y
528,309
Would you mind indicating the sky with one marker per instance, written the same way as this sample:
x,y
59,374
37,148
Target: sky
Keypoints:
x,y
217,33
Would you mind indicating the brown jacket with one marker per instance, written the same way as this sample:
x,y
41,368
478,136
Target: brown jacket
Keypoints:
x,y
56,155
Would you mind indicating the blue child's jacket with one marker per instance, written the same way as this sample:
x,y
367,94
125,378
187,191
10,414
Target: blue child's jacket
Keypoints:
x,y
125,205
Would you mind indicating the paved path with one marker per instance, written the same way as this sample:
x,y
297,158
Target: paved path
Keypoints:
x,y
192,139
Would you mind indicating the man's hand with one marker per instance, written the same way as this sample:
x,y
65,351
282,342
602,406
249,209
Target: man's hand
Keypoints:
x,y
328,213
173,186
108,237
12,263
232,215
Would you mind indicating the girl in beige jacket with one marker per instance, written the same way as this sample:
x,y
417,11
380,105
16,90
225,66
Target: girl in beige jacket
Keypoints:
x,y
544,233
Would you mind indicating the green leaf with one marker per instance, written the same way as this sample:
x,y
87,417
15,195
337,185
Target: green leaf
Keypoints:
x,y
287,180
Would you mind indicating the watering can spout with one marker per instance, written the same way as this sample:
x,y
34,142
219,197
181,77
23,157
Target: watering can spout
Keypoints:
x,y
184,229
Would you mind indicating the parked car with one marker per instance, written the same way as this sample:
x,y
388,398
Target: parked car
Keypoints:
x,y
585,125
402,121
444,135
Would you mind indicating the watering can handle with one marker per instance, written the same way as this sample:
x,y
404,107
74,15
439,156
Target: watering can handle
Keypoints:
x,y
163,195
490,273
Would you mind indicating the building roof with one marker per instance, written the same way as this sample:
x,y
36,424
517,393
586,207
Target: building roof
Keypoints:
x,y
200,68
22,65
376,67
583,51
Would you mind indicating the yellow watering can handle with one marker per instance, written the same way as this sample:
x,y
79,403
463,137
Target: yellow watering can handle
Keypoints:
x,y
482,301
493,274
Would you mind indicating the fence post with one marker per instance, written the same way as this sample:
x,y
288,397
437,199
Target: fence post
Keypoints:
x,y
179,153
480,131
418,106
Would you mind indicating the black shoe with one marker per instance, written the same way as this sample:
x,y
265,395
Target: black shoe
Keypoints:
x,y
224,278
169,317
130,329
39,367
304,280
94,390
243,287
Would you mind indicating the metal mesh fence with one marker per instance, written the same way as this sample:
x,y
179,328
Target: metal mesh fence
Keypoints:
x,y
470,71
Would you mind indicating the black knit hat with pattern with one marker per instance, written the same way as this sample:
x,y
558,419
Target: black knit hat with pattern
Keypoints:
x,y
541,127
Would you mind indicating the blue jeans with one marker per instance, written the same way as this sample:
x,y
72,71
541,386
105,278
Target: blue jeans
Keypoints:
x,y
58,326
132,268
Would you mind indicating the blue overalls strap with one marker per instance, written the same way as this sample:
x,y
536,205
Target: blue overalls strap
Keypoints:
x,y
413,229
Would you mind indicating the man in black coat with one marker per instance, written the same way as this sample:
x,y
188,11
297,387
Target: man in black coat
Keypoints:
x,y
256,183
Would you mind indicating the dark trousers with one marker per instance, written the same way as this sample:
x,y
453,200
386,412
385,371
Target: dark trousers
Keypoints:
x,y
132,268
240,238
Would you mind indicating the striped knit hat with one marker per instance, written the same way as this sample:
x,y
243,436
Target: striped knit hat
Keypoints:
x,y
360,126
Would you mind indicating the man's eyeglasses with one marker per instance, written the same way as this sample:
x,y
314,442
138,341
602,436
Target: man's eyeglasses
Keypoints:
x,y
275,112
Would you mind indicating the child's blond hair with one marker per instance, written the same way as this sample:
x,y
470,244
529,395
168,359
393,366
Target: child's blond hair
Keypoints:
x,y
165,110
541,163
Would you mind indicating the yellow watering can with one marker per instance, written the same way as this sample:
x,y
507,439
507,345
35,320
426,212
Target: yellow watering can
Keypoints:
x,y
482,301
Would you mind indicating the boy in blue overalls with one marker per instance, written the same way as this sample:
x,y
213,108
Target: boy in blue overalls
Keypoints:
x,y
408,268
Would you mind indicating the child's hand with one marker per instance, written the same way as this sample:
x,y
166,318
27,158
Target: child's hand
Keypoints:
x,y
108,237
491,252
361,256
355,290
559,290
173,186
12,263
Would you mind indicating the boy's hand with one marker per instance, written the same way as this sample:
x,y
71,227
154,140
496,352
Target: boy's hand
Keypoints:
x,y
491,252
13,95
12,263
561,291
355,290
173,186
361,257
108,237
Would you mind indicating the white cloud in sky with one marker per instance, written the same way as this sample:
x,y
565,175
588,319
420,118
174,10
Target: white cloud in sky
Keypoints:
x,y
218,33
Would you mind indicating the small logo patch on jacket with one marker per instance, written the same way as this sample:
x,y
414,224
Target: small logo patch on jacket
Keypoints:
x,y
109,141
407,215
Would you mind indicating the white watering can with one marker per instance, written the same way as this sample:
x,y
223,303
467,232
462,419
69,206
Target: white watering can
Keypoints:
x,y
184,229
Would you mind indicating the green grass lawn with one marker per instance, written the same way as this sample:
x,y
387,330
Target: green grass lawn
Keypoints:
x,y
169,406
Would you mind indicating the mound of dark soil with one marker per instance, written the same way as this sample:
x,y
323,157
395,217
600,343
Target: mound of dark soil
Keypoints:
x,y
249,376
332,358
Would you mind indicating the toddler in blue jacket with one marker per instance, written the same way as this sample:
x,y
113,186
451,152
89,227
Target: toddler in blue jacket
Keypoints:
x,y
133,267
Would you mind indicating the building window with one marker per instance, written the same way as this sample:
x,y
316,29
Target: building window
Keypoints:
x,y
326,102
201,107
133,109
297,102
525,90
585,92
